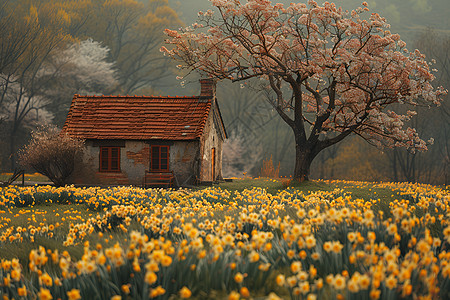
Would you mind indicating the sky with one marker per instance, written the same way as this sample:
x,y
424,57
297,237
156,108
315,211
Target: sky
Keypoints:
x,y
407,17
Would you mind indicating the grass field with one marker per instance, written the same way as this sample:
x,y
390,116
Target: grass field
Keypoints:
x,y
250,238
35,177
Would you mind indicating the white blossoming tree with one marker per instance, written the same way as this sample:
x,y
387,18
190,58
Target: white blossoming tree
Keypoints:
x,y
86,62
332,73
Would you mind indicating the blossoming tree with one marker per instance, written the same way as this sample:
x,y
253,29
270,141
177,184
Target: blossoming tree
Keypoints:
x,y
331,72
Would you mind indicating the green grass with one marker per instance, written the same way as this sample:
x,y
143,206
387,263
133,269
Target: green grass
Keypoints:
x,y
358,190
23,249
43,214
51,214
366,191
272,186
36,177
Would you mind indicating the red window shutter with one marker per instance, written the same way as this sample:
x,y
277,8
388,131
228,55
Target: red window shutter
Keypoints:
x,y
159,158
109,159
115,159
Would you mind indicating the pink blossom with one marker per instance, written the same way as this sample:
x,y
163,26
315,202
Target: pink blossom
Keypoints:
x,y
309,43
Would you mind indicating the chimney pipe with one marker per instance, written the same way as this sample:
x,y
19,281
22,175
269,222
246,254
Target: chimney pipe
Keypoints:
x,y
208,88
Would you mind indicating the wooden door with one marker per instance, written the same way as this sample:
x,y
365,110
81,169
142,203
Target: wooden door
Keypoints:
x,y
213,163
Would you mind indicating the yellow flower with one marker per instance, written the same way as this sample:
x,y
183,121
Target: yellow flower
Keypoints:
x,y
91,267
301,213
45,294
310,241
391,282
327,246
152,266
336,246
150,277
109,253
407,289
339,282
6,264
351,236
291,281
245,293
375,294
304,287
446,232
228,239
15,263
116,297
311,297
319,283
296,266
125,288
280,279
201,254
136,267
157,292
264,267
392,229
185,293
254,256
364,282
22,291
238,277
47,280
353,286
352,258
273,296
315,256
102,259
166,261
233,296
15,274
157,255
74,294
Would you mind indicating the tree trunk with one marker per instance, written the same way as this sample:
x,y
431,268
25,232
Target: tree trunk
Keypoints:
x,y
12,149
304,156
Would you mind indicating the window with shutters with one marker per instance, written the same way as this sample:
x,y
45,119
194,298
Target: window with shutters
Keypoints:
x,y
159,161
109,159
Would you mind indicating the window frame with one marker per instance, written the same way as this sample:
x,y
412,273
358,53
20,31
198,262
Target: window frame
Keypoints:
x,y
109,159
159,158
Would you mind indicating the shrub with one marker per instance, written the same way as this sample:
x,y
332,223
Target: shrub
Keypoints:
x,y
51,153
268,170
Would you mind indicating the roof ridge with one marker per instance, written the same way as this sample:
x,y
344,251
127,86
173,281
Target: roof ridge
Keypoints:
x,y
135,96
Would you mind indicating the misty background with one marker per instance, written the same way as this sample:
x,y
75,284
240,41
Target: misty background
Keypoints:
x,y
52,50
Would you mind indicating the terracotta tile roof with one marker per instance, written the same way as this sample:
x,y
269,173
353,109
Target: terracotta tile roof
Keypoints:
x,y
137,118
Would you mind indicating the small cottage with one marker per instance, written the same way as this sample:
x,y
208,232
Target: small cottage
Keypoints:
x,y
148,140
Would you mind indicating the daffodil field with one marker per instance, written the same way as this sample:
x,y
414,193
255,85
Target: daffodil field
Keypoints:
x,y
214,243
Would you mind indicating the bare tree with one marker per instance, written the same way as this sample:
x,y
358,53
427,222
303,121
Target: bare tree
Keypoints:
x,y
51,153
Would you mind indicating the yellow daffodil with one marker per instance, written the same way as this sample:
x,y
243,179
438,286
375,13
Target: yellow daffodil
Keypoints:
x,y
74,294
